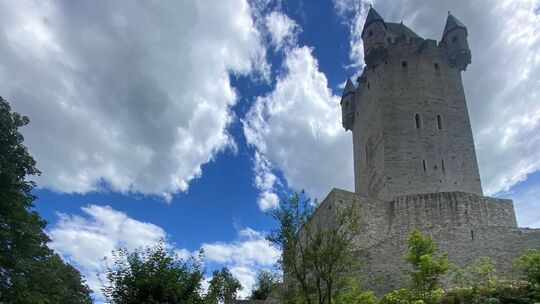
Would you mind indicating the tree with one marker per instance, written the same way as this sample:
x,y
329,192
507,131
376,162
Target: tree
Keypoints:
x,y
315,248
530,264
27,265
356,295
153,275
223,287
427,269
266,283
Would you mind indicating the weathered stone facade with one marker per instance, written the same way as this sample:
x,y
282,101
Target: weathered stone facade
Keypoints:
x,y
414,159
408,116
465,225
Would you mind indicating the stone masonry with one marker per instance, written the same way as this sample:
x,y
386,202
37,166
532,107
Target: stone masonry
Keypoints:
x,y
415,164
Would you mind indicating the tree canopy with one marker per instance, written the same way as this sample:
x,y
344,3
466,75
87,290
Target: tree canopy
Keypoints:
x,y
30,272
266,283
153,275
223,287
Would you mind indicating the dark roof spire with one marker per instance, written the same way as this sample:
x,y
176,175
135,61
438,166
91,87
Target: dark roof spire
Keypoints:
x,y
349,87
451,24
372,16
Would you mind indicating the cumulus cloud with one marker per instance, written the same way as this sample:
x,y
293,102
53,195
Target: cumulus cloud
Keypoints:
x,y
501,84
86,240
283,30
297,127
265,181
252,249
132,95
244,256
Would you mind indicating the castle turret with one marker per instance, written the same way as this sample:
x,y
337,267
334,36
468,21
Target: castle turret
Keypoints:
x,y
347,105
374,38
454,38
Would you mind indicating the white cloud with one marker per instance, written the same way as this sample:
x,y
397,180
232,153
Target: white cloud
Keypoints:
x,y
244,256
297,127
268,200
501,84
183,254
283,30
133,94
245,252
86,240
246,276
265,180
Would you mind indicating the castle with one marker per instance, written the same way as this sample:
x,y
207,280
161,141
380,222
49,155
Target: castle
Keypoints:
x,y
415,164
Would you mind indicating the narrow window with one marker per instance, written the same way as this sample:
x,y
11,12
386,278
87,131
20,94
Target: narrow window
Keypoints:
x,y
404,64
472,235
442,164
347,103
366,155
436,66
424,164
368,85
417,120
439,122
370,33
454,39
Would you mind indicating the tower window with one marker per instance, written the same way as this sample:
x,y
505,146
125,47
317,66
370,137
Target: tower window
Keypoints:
x,y
370,33
439,122
454,39
442,164
424,164
436,66
368,85
417,121
404,64
347,104
472,235
366,155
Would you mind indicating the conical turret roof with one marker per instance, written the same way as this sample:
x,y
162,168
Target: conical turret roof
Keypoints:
x,y
372,16
452,23
349,87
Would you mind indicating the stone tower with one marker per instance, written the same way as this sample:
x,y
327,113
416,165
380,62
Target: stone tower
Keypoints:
x,y
408,115
414,160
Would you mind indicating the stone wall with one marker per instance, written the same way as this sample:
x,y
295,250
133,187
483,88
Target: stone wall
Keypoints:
x,y
466,226
382,268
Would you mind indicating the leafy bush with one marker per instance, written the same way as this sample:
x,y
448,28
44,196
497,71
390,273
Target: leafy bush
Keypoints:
x,y
356,295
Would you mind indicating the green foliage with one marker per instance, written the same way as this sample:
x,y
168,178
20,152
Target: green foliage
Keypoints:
x,y
315,250
30,272
530,264
355,295
502,293
398,296
427,269
153,275
267,283
485,274
223,287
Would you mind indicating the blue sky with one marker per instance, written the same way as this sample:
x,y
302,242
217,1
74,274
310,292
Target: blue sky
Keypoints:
x,y
188,120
